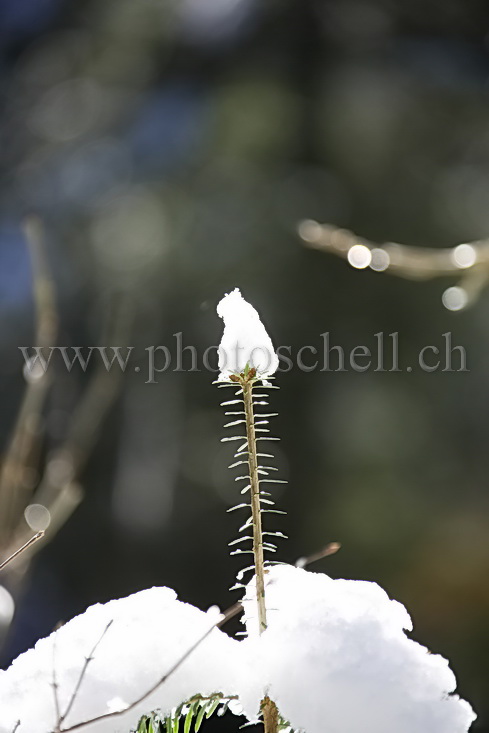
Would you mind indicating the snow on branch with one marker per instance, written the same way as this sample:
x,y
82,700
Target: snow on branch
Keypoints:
x,y
120,660
335,657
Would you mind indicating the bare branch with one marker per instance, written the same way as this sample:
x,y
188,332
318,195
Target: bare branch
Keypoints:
x,y
46,314
226,616
21,549
414,263
26,430
55,685
59,490
82,674
330,549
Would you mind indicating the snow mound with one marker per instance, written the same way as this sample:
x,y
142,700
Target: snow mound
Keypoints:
x,y
335,658
150,631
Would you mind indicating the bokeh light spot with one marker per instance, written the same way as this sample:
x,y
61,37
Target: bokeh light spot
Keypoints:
x,y
380,259
7,607
38,517
455,298
359,256
33,371
464,256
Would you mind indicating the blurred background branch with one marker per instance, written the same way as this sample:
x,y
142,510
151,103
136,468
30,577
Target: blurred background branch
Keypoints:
x,y
44,506
16,476
468,261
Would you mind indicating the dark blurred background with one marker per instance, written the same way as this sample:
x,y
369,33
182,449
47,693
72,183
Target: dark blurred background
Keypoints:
x,y
170,147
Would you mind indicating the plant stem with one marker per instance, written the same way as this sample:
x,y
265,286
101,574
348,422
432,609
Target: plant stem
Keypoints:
x,y
247,385
269,709
270,715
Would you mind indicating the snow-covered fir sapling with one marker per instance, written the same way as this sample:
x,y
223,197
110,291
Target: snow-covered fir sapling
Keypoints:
x,y
318,654
246,359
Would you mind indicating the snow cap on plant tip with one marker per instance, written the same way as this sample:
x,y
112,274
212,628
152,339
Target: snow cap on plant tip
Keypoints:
x,y
245,340
335,657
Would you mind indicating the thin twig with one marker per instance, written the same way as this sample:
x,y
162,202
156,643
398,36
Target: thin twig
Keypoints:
x,y
330,549
227,615
55,685
82,674
21,549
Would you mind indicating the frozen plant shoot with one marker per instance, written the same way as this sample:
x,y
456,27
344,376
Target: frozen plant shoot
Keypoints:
x,y
318,655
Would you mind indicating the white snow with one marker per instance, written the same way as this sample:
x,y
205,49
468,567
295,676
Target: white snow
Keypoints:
x,y
245,340
335,658
150,631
